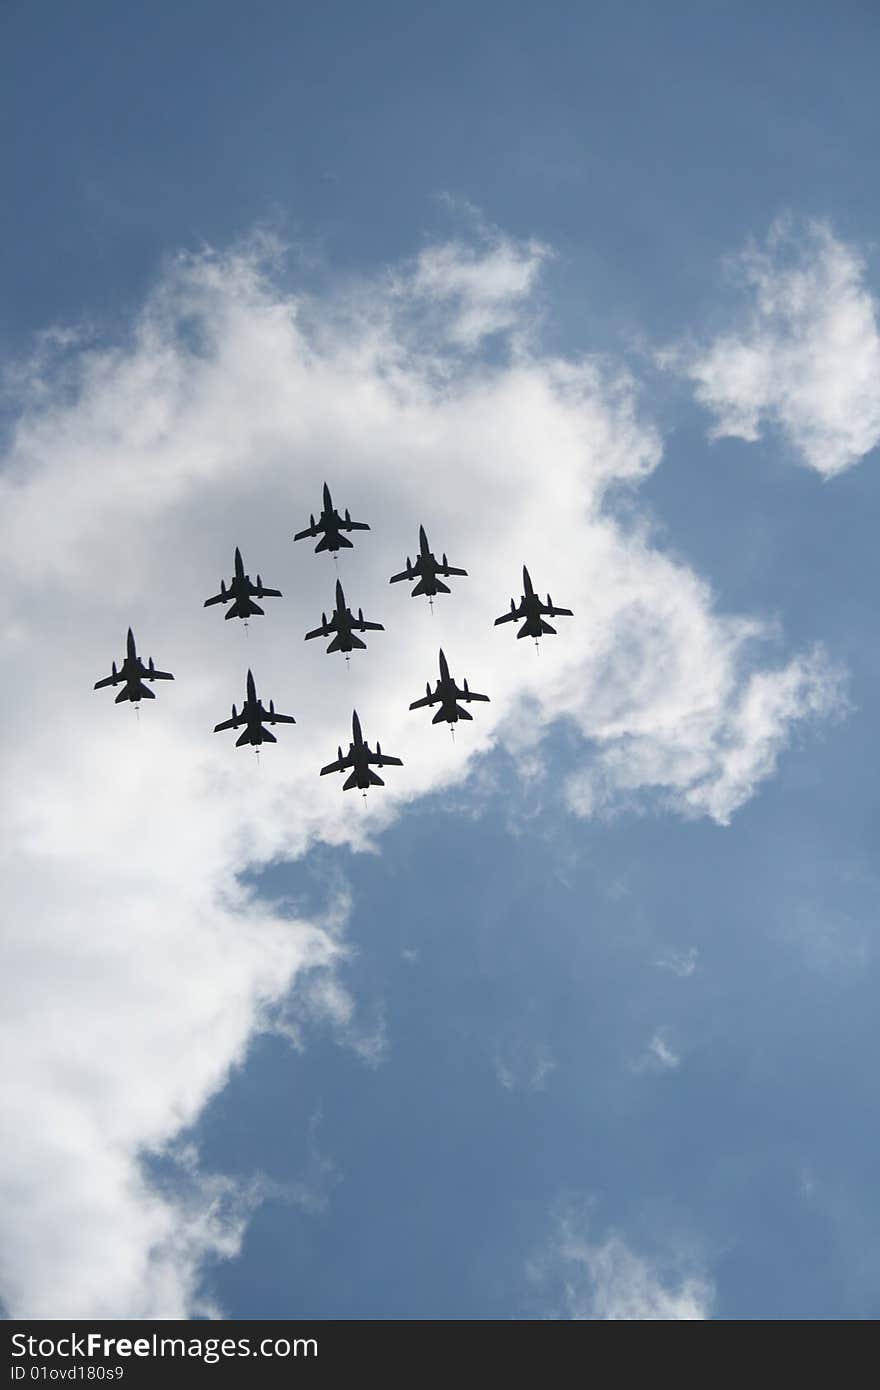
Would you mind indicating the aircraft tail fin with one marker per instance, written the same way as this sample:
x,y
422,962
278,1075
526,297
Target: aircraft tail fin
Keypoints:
x,y
337,538
375,780
441,587
336,644
350,781
244,737
527,629
245,608
141,692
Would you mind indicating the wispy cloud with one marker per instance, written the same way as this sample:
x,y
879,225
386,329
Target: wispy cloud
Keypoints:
x,y
715,732
523,1065
605,1280
681,963
660,1056
805,358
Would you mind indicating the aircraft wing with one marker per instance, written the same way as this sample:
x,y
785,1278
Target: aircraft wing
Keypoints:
x,y
309,531
218,598
470,695
369,627
108,680
449,569
425,700
266,593
324,631
384,760
553,612
229,724
339,766
508,618
157,675
281,719
355,526
405,574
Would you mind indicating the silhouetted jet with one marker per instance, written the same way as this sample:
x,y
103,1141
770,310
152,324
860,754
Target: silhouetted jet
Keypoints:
x,y
343,624
448,694
531,608
331,524
240,591
134,673
425,570
253,715
359,757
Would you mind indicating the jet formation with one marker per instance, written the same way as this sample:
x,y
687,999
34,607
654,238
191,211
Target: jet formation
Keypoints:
x,y
361,759
254,715
425,572
342,625
330,526
133,672
448,695
533,611
241,593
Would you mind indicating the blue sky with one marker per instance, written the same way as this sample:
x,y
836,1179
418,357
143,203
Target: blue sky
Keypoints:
x,y
578,1018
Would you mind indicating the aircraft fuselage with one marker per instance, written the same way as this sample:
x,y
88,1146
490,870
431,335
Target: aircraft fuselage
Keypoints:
x,y
426,567
451,711
255,715
360,766
344,623
133,673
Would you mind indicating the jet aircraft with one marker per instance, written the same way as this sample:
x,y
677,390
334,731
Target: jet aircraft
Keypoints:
x,y
533,611
254,715
133,672
448,695
241,591
330,526
358,758
425,570
343,624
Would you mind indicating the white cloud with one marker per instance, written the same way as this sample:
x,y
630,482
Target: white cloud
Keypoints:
x,y
713,733
681,963
606,1281
660,1054
806,357
523,1064
137,967
474,291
